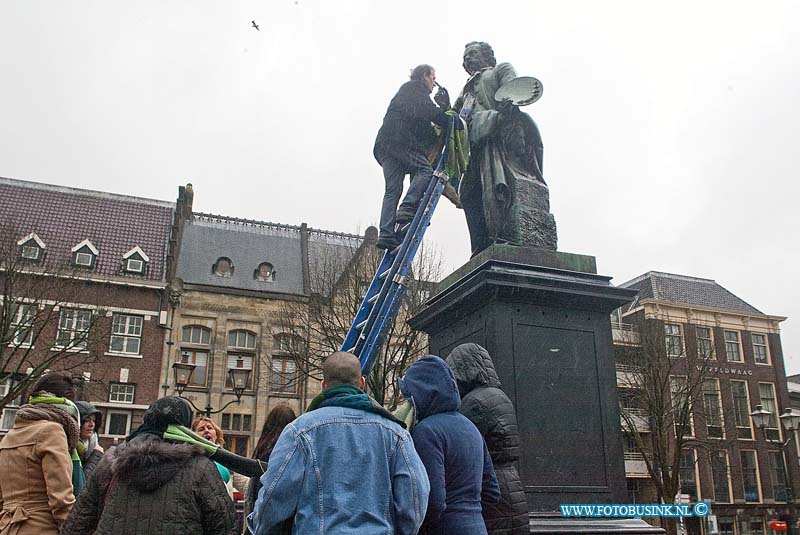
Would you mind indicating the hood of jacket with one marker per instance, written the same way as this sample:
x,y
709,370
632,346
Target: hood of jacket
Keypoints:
x,y
473,368
86,409
147,463
430,386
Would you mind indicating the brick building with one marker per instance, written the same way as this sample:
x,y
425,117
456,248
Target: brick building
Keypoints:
x,y
104,259
726,459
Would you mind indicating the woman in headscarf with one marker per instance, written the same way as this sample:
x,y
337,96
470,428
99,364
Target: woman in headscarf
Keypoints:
x,y
151,486
36,490
88,448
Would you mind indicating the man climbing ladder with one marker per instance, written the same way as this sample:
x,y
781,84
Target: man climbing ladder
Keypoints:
x,y
401,234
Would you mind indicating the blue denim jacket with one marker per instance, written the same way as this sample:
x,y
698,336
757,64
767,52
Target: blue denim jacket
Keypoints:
x,y
342,470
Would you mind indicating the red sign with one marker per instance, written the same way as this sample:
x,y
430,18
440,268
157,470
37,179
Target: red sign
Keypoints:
x,y
778,525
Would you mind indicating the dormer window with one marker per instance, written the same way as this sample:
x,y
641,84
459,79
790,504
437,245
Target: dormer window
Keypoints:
x,y
265,272
135,260
31,247
223,267
84,254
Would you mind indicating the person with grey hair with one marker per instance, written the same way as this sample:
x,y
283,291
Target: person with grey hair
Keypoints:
x,y
400,148
345,466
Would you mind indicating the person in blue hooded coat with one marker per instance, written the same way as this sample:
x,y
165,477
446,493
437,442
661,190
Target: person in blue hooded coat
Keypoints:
x,y
451,448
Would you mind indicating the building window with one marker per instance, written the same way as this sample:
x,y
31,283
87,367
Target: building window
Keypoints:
x,y
713,409
200,360
241,339
84,254
22,320
777,472
126,334
760,348
121,393
733,350
751,526
223,267
752,489
135,260
31,252
118,423
31,247
720,475
741,409
237,444
237,422
9,412
265,272
73,328
196,335
766,393
237,360
674,341
134,265
681,406
705,342
725,525
688,474
283,377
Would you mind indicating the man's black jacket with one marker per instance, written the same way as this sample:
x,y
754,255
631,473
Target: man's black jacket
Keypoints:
x,y
407,123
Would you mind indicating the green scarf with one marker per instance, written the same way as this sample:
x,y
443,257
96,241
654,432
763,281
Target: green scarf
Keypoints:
x,y
351,397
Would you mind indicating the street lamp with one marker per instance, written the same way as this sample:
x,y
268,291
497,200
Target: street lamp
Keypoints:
x,y
183,370
791,422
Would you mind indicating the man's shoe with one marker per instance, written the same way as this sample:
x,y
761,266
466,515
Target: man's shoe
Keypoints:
x,y
404,217
387,243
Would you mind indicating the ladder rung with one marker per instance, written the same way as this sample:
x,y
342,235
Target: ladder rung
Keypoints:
x,y
361,325
383,275
351,349
374,298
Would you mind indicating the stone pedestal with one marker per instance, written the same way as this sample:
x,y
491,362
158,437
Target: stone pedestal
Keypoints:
x,y
544,316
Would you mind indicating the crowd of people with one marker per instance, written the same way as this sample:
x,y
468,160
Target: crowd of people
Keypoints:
x,y
444,462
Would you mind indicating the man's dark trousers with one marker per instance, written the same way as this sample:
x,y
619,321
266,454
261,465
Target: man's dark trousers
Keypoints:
x,y
395,167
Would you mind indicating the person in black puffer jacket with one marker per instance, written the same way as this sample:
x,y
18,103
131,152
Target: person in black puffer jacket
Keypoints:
x,y
150,486
488,407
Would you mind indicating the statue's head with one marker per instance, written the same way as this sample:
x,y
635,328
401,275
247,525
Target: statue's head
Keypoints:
x,y
478,56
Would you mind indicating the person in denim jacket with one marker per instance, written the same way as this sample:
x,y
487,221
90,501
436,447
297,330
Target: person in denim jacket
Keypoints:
x,y
345,466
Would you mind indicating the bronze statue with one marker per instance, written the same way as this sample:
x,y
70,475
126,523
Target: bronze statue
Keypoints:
x,y
504,195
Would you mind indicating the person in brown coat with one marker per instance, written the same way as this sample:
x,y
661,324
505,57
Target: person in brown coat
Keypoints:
x,y
36,487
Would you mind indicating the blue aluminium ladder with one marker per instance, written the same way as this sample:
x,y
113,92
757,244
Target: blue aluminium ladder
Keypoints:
x,y
379,307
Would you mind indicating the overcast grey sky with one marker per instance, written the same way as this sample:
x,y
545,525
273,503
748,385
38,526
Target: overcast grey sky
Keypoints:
x,y
669,128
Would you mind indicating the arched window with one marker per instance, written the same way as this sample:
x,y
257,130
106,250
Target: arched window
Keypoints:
x,y
284,376
241,354
193,338
264,272
223,267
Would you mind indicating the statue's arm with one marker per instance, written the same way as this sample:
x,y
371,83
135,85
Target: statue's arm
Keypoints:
x,y
504,73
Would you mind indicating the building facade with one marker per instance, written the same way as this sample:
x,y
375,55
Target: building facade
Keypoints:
x,y
735,351
95,267
236,283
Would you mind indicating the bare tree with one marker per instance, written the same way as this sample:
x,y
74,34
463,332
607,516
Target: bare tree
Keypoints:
x,y
339,278
45,320
666,393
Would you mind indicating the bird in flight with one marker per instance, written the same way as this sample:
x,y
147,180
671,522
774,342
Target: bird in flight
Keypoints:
x,y
255,25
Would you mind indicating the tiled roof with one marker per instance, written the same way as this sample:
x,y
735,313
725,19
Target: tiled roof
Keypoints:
x,y
248,243
685,290
63,217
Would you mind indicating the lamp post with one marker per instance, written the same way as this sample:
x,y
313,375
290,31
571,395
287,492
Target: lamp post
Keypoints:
x,y
790,420
183,371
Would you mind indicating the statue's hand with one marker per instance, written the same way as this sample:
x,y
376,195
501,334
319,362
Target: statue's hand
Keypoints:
x,y
506,107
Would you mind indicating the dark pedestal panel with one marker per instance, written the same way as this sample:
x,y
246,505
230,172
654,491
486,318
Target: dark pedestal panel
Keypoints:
x,y
544,317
